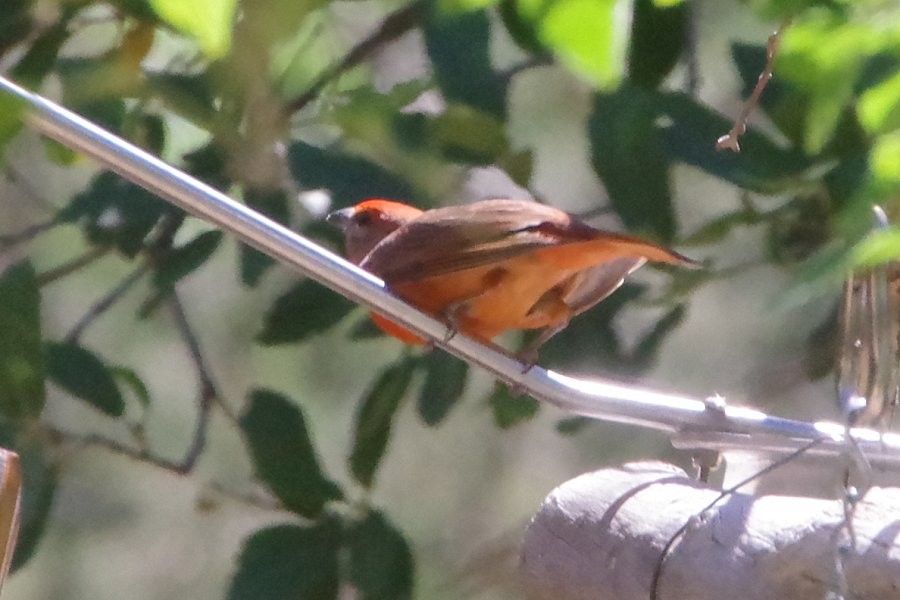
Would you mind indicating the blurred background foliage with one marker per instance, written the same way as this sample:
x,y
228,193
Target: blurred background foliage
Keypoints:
x,y
195,422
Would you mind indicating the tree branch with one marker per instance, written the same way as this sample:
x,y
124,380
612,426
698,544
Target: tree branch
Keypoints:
x,y
105,303
729,141
394,25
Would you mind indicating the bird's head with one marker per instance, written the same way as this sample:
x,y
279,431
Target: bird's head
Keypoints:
x,y
369,222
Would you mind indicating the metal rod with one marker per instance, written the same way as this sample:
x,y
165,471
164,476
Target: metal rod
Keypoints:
x,y
597,398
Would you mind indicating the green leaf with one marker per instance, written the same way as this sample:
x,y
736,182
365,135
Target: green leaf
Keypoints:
x,y
629,155
381,563
521,26
511,409
283,454
11,112
822,56
81,373
458,46
15,22
877,247
130,378
184,260
350,179
761,165
589,36
657,40
39,480
21,355
208,21
467,135
647,350
445,380
572,425
190,96
306,309
879,106
114,211
274,205
288,562
375,417
41,55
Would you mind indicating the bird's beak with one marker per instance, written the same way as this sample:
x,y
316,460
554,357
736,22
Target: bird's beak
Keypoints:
x,y
340,218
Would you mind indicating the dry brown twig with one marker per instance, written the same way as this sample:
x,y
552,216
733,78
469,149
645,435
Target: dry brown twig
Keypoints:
x,y
729,141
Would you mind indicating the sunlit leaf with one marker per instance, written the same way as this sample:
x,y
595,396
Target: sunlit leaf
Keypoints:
x,y
304,310
375,419
208,21
21,353
11,112
283,454
381,563
589,36
288,562
81,373
879,107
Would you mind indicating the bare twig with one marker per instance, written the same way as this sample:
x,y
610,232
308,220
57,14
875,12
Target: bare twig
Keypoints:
x,y
98,441
265,502
105,303
26,235
667,549
208,388
207,392
729,141
394,25
72,266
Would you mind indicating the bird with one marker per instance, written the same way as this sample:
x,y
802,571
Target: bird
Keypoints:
x,y
491,266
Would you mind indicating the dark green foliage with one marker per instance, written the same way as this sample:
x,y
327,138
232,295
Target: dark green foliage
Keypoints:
x,y
273,204
184,260
283,454
306,309
39,481
81,373
381,563
629,154
21,354
658,35
375,418
445,381
288,562
511,408
113,211
350,179
458,48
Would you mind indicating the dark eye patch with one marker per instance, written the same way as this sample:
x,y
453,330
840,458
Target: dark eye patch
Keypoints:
x,y
364,218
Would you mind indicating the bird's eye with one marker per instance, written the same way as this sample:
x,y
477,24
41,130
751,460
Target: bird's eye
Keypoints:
x,y
363,218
